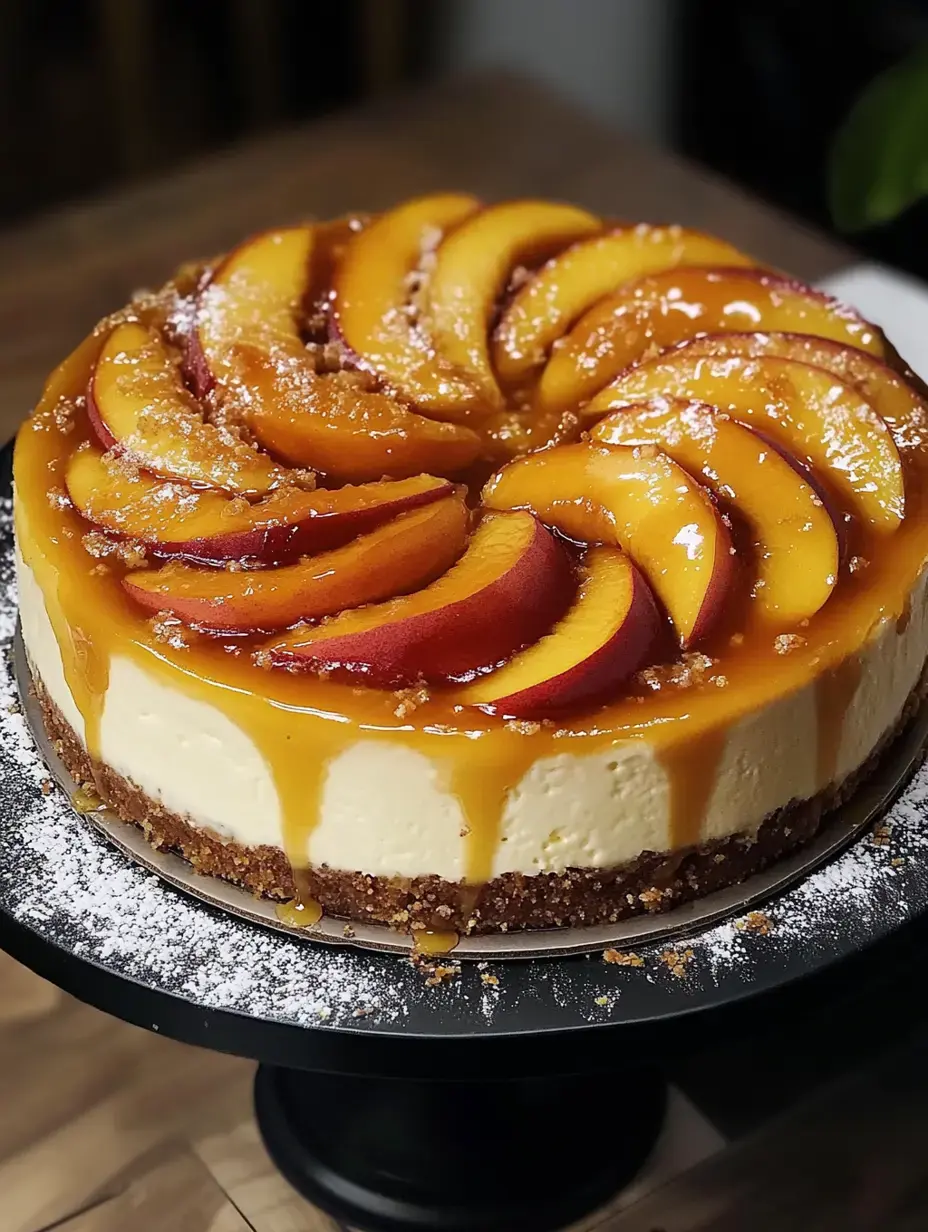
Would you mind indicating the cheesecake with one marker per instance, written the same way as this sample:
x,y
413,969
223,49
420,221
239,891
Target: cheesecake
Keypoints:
x,y
476,567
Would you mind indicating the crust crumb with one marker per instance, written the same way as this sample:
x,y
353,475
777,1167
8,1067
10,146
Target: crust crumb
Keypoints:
x,y
677,961
755,922
620,959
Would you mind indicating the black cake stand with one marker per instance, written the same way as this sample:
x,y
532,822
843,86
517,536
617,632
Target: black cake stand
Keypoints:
x,y
511,1095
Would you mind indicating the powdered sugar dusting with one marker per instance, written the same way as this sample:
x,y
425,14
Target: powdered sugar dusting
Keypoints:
x,y
60,877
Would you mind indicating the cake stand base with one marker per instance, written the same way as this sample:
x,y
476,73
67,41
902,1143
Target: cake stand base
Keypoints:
x,y
393,1155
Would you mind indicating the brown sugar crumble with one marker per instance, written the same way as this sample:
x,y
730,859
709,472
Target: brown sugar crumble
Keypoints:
x,y
46,787
755,922
677,961
785,643
409,700
100,546
687,672
486,977
620,959
169,630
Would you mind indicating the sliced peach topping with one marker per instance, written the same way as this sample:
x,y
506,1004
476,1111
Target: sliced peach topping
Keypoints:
x,y
808,411
350,435
612,629
549,303
471,269
507,590
641,501
896,401
138,405
248,337
796,544
202,525
405,553
253,297
666,308
374,304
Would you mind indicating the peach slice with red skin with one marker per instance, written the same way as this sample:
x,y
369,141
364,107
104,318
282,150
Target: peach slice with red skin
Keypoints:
x,y
548,304
641,501
209,527
471,268
796,543
372,301
137,405
610,631
406,553
663,309
809,412
507,590
895,400
248,337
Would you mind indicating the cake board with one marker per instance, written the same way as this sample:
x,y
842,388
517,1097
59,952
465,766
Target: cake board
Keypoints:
x,y
397,1103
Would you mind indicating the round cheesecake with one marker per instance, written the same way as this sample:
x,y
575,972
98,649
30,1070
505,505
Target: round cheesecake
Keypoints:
x,y
476,567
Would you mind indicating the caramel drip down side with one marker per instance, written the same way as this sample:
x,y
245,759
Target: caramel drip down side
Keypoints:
x,y
834,692
482,776
691,767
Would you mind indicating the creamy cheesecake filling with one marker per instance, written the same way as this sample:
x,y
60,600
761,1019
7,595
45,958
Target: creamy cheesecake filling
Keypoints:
x,y
781,698
386,809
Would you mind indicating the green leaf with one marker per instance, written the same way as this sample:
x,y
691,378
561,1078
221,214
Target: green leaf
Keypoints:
x,y
879,161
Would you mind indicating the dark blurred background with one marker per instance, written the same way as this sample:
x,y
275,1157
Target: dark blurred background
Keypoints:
x,y
98,92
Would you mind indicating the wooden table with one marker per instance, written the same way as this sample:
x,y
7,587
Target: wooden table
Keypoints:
x,y
494,135
105,1128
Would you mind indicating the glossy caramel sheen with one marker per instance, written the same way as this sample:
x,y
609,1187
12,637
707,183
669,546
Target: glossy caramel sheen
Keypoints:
x,y
301,722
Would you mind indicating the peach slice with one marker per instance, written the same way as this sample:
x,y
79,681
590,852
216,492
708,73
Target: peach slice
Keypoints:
x,y
372,301
248,337
797,549
638,500
253,296
808,411
607,634
350,434
209,527
405,553
548,304
656,312
898,404
470,272
137,405
507,590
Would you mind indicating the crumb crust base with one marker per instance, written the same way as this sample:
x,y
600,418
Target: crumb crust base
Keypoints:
x,y
652,883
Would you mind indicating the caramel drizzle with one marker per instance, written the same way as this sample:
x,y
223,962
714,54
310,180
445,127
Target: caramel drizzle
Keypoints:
x,y
301,724
691,767
835,689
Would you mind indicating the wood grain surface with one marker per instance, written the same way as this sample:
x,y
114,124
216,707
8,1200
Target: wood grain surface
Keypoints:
x,y
495,135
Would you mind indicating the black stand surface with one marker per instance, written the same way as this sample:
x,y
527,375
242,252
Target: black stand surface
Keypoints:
x,y
513,1096
389,1155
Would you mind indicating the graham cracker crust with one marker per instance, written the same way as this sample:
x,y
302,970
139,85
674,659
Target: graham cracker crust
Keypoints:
x,y
652,883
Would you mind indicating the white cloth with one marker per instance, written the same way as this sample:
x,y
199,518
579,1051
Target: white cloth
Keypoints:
x,y
896,302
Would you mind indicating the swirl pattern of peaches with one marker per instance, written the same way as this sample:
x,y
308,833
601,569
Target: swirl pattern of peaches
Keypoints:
x,y
483,479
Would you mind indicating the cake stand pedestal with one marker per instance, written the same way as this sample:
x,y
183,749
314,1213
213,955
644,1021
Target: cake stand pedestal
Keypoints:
x,y
394,1155
460,1129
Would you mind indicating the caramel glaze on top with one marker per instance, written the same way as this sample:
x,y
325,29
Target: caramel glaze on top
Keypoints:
x,y
298,721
